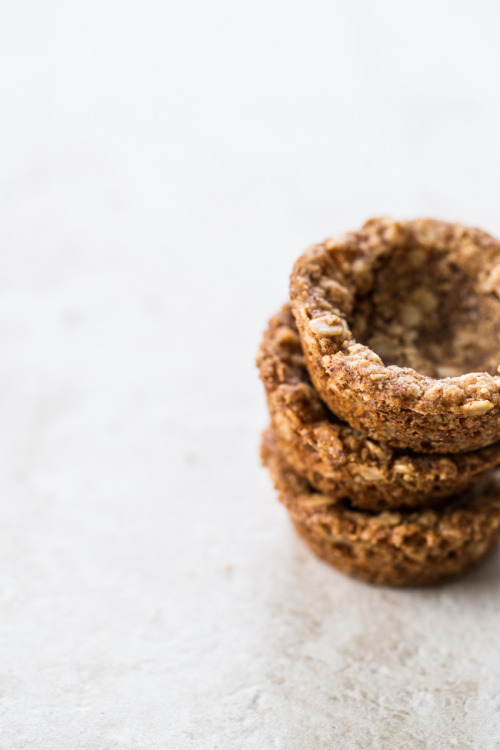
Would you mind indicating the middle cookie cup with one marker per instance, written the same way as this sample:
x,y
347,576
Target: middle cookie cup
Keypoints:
x,y
337,459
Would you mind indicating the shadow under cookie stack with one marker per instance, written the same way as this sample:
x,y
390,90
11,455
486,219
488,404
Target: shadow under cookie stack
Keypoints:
x,y
381,378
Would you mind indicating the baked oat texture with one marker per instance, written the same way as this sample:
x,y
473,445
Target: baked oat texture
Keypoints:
x,y
400,325
395,548
339,460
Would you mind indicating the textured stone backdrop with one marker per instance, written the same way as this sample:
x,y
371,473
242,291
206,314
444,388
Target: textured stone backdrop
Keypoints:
x,y
162,164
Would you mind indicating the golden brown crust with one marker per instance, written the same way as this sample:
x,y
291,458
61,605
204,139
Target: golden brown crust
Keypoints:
x,y
423,294
339,460
396,548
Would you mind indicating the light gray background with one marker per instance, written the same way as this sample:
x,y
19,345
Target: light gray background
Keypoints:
x,y
162,164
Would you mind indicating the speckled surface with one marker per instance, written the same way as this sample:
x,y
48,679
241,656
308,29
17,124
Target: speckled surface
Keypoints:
x,y
162,166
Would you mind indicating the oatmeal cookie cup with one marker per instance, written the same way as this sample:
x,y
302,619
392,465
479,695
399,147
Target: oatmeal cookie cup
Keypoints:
x,y
403,548
400,325
339,460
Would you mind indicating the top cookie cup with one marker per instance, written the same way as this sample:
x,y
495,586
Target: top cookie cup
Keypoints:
x,y
400,326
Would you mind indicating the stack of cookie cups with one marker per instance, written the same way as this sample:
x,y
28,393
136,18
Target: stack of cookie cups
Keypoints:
x,y
384,398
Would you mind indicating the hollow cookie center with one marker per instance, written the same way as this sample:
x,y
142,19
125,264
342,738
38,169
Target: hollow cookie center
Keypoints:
x,y
425,312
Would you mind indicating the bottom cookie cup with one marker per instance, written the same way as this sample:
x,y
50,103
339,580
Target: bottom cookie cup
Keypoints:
x,y
392,548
